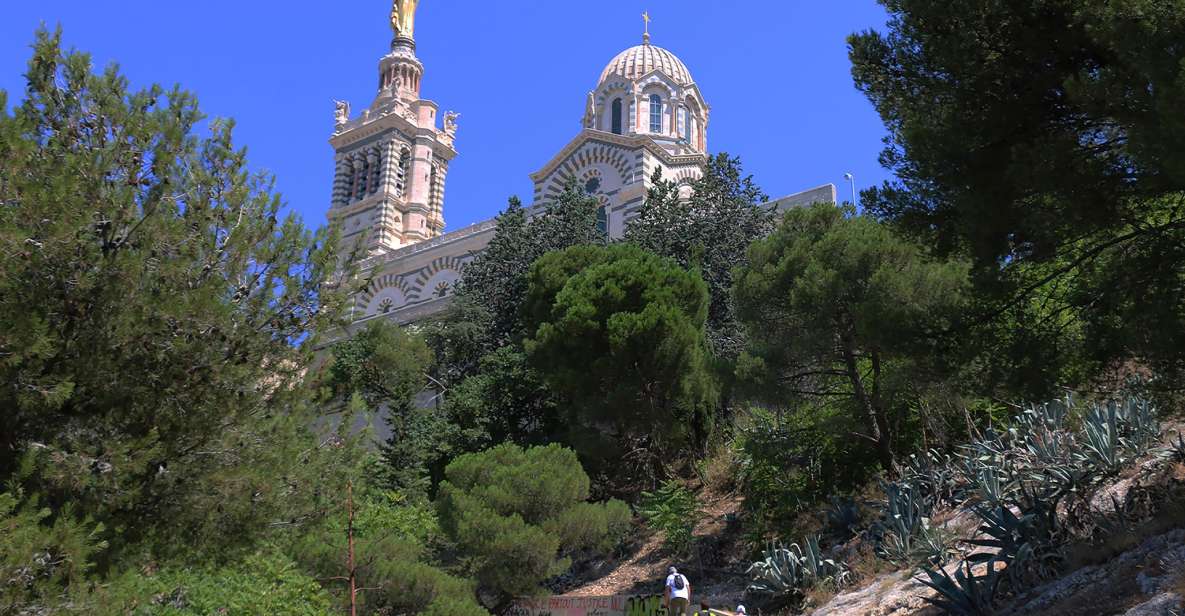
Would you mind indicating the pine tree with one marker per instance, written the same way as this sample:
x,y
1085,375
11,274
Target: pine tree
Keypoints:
x,y
709,230
157,313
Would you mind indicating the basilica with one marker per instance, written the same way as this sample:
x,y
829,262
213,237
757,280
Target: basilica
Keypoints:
x,y
645,113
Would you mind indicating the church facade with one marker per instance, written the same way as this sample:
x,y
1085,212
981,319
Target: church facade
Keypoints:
x,y
392,159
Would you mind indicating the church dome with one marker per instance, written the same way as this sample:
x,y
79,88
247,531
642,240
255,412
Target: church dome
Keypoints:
x,y
636,62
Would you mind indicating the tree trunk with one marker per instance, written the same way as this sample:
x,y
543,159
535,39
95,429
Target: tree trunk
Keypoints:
x,y
869,404
350,555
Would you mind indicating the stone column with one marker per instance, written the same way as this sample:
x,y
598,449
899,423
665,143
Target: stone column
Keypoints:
x,y
341,181
390,162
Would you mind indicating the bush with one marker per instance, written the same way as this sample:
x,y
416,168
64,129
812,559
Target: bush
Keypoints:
x,y
392,535
414,587
265,584
592,526
515,514
790,462
671,510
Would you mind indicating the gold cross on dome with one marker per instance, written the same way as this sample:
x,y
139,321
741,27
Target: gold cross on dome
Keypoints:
x,y
646,25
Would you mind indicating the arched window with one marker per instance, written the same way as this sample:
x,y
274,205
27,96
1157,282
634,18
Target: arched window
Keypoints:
x,y
363,173
402,173
433,191
616,116
602,220
655,113
376,172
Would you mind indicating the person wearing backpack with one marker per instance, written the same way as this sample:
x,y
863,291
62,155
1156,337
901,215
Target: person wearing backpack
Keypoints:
x,y
677,596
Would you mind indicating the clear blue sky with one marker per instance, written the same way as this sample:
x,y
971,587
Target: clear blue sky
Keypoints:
x,y
775,72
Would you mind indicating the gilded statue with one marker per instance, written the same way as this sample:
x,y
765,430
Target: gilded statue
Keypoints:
x,y
403,18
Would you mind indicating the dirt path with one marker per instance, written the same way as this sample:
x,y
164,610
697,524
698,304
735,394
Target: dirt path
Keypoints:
x,y
717,576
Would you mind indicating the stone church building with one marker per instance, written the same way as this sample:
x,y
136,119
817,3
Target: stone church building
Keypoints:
x,y
645,113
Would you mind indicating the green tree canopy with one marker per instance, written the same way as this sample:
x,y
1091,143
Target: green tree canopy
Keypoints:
x,y
619,334
496,280
382,363
156,314
1043,132
838,306
385,367
711,230
517,514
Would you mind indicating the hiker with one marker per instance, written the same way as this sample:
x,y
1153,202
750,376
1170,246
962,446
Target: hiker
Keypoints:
x,y
677,596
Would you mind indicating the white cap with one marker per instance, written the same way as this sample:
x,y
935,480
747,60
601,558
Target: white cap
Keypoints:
x,y
741,609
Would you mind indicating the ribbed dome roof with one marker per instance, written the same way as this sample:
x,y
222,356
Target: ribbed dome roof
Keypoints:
x,y
637,61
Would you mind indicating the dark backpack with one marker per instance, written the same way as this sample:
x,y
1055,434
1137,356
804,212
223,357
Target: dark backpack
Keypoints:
x,y
678,583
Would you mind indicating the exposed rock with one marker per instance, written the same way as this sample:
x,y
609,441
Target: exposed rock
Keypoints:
x,y
891,594
1147,569
1168,604
1171,568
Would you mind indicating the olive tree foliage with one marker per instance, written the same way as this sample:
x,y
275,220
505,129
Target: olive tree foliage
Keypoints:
x,y
1042,138
157,313
518,515
839,308
710,231
618,333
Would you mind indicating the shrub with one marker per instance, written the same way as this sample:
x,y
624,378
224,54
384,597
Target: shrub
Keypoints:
x,y
265,584
412,587
454,606
789,462
391,537
591,526
516,514
671,510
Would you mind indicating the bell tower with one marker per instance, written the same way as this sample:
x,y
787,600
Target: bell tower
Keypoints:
x,y
391,160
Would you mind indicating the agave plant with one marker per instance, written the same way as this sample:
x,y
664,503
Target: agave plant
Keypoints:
x,y
965,593
819,570
1027,541
932,475
786,570
843,516
1139,424
990,452
1055,481
780,572
1101,445
992,485
1176,448
904,532
1040,444
1049,416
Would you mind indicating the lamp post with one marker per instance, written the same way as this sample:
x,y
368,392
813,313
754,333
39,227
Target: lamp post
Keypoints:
x,y
851,178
